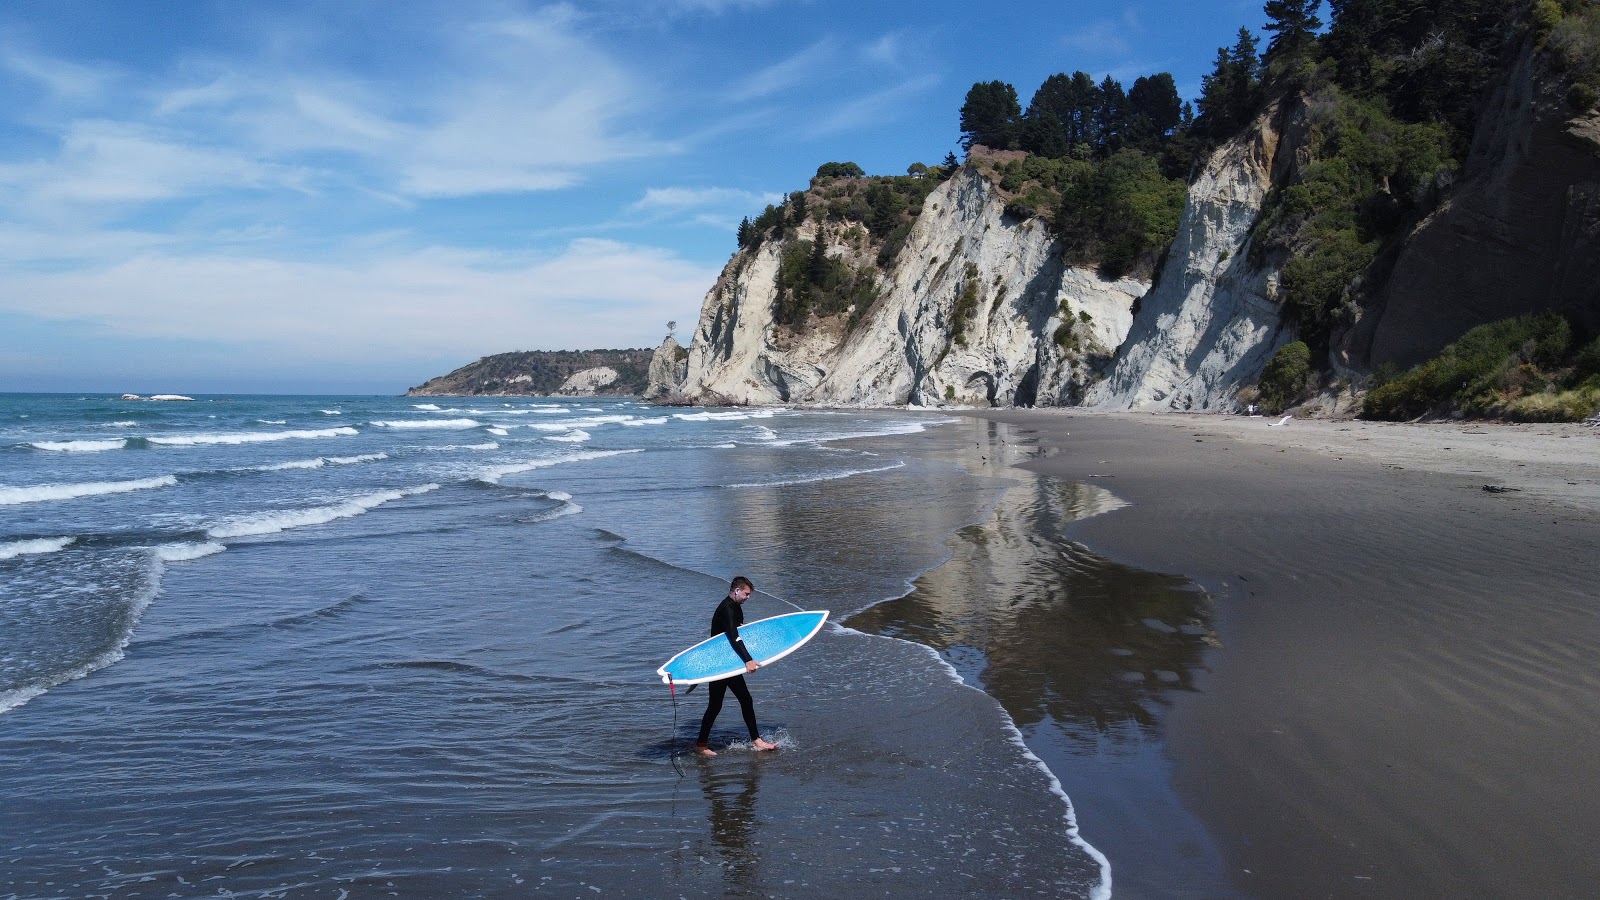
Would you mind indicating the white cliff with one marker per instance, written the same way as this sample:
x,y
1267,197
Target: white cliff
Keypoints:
x,y
978,308
1212,320
968,312
587,382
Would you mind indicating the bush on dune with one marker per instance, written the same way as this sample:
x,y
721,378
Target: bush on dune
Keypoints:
x,y
1524,369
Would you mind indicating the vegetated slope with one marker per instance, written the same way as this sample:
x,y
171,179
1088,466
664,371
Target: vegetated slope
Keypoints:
x,y
540,373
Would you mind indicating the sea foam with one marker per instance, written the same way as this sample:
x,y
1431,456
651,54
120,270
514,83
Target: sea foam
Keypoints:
x,y
285,519
319,462
251,437
14,549
493,474
184,552
825,476
10,496
429,423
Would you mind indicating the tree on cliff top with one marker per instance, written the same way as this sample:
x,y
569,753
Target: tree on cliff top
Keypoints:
x,y
990,116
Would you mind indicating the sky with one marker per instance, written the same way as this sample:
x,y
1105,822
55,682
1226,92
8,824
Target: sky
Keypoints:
x,y
353,196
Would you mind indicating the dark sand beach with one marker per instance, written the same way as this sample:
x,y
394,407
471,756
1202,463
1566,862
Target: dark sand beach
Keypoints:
x,y
1404,699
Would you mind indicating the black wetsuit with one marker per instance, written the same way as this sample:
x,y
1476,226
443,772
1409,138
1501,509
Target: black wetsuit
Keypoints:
x,y
726,620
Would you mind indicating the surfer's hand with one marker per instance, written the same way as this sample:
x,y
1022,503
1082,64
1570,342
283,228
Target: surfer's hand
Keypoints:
x,y
751,666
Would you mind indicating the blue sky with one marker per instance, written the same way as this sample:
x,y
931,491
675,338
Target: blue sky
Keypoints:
x,y
355,196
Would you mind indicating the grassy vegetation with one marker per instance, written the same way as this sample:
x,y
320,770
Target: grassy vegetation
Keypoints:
x,y
1528,369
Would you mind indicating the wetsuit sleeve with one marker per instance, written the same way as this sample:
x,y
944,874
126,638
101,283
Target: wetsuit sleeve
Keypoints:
x,y
724,623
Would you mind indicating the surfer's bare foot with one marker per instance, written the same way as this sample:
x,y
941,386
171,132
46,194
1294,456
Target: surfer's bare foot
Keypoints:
x,y
760,744
703,750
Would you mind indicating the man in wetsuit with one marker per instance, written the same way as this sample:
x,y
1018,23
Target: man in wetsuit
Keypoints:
x,y
726,621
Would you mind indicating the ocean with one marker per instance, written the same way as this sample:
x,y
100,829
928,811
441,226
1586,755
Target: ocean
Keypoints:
x,y
384,646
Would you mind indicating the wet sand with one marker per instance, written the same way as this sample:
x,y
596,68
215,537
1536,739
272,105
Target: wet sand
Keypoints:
x,y
1405,701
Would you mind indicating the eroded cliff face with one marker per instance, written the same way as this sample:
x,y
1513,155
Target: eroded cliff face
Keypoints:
x,y
1519,233
977,308
1212,321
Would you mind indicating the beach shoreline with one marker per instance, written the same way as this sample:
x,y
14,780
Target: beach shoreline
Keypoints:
x,y
1403,697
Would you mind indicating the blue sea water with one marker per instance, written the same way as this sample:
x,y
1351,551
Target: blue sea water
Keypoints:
x,y
375,646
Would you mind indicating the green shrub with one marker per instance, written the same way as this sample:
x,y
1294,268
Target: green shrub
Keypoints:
x,y
1285,377
1522,368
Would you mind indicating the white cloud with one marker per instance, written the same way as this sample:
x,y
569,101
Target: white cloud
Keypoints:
x,y
419,305
678,198
104,162
885,50
508,105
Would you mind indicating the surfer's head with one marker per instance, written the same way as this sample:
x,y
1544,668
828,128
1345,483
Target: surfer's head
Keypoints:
x,y
740,588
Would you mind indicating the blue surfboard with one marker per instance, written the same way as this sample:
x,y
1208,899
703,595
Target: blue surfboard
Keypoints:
x,y
768,641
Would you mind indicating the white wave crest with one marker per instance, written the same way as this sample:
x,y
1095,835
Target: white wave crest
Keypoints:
x,y
352,460
499,432
901,428
273,421
659,420
81,446
491,445
283,520
333,412
575,436
14,549
430,407
583,422
562,496
319,462
11,496
251,437
826,476
429,423
493,474
186,552
120,425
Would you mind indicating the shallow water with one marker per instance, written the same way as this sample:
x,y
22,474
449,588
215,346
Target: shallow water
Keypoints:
x,y
295,646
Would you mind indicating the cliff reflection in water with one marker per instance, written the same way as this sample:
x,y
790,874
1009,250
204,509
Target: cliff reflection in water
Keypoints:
x,y
1048,628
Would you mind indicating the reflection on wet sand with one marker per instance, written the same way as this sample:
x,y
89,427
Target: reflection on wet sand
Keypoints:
x,y
731,798
1043,625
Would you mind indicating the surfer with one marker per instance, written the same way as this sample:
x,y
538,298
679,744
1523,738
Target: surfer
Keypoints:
x,y
726,620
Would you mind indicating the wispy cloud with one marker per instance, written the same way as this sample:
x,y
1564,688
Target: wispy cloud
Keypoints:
x,y
871,108
795,70
62,78
513,104
1104,39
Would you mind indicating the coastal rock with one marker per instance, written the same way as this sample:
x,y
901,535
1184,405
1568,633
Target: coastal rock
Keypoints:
x,y
964,257
588,382
669,365
1212,320
1519,234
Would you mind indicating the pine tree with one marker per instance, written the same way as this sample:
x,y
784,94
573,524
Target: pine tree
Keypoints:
x,y
1294,24
817,265
744,232
990,116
